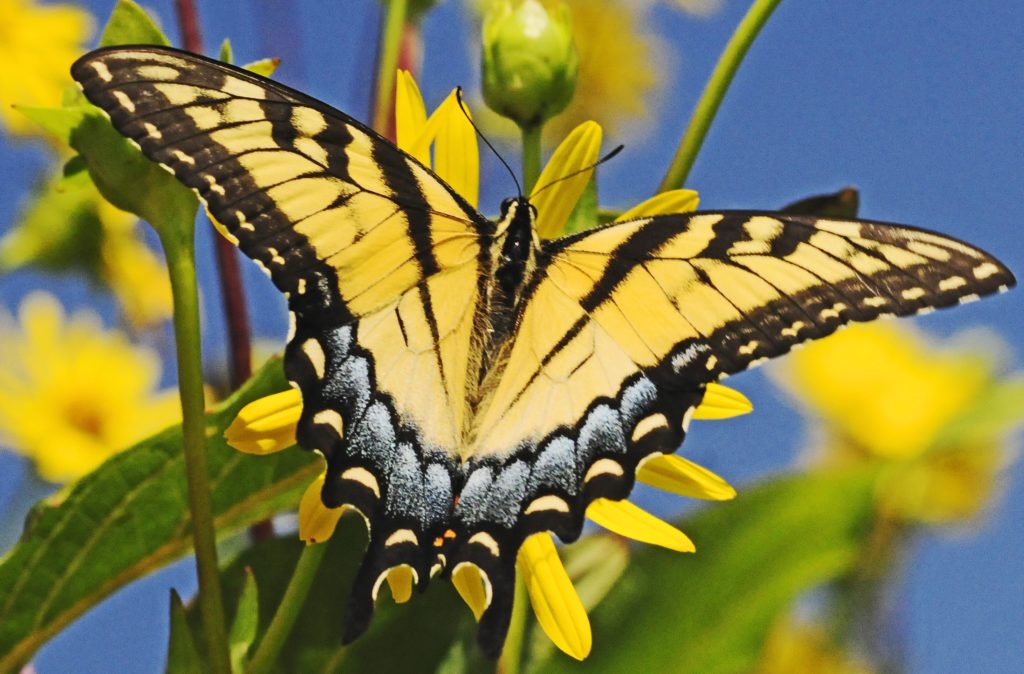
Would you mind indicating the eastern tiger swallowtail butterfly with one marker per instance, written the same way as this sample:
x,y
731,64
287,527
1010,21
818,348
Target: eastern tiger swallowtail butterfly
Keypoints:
x,y
468,383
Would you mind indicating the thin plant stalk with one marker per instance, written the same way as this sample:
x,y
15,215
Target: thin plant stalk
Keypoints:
x,y
288,611
387,64
714,92
181,266
531,155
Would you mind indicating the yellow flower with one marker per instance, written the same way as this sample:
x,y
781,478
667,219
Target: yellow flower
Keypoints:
x,y
795,647
268,425
37,45
51,408
883,393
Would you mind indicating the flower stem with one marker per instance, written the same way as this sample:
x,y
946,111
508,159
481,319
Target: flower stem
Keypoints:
x,y
387,63
179,248
714,92
512,653
288,611
531,155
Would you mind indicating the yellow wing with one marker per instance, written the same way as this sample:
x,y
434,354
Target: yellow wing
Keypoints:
x,y
384,266
621,328
699,296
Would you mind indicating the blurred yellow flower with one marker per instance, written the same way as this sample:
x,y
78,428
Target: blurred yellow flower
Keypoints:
x,y
795,647
621,68
884,393
268,425
37,45
52,408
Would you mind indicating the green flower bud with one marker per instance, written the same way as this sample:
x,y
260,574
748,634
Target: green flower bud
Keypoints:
x,y
529,61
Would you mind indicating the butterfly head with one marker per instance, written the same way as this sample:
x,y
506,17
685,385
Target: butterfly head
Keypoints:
x,y
520,207
516,244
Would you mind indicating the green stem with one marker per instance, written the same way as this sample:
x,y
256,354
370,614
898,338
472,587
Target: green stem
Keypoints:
x,y
387,63
531,156
288,611
714,92
512,654
180,255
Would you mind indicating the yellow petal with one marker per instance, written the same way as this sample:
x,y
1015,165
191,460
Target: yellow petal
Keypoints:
x,y
420,145
468,580
722,402
673,201
317,521
555,602
400,582
679,476
410,116
266,425
456,157
625,519
221,229
576,152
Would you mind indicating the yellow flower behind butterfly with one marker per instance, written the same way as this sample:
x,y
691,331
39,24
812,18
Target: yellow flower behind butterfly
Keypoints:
x,y
885,394
51,409
268,425
37,45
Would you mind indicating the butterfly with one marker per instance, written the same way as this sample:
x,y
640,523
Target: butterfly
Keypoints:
x,y
468,383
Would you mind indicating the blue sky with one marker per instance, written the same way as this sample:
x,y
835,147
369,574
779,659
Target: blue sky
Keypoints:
x,y
917,103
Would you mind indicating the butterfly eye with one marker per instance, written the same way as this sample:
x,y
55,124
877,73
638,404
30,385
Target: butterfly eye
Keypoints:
x,y
533,211
505,205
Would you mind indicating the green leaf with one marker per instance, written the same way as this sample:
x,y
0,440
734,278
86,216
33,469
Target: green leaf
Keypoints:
x,y
182,656
412,637
264,67
129,24
842,204
130,517
130,181
57,121
709,612
243,629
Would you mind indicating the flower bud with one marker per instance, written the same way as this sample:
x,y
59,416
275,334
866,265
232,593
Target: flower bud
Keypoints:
x,y
529,61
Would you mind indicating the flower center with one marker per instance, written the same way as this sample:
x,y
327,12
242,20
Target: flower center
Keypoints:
x,y
86,418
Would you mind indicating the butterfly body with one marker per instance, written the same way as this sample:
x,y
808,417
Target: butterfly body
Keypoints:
x,y
468,384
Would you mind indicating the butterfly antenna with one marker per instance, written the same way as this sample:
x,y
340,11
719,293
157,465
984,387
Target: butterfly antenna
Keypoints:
x,y
582,170
458,96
